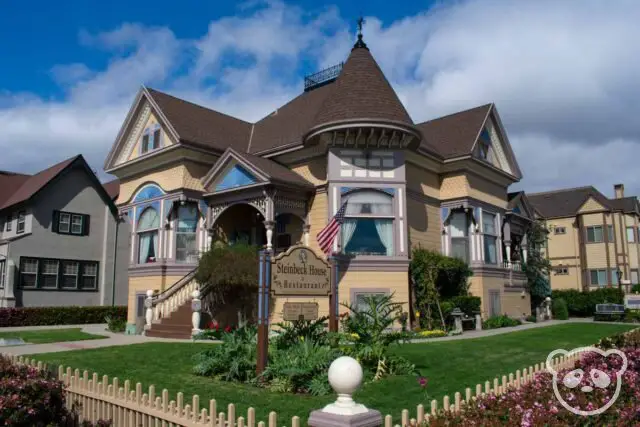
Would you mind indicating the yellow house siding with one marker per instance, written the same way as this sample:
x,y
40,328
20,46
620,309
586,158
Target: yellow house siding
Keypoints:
x,y
314,171
422,180
591,205
592,219
563,245
596,255
511,303
424,224
170,178
487,191
317,218
454,186
566,281
166,138
514,305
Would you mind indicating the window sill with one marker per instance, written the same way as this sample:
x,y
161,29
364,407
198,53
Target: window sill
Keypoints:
x,y
56,289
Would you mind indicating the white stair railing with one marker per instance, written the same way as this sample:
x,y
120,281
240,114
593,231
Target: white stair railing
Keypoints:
x,y
161,305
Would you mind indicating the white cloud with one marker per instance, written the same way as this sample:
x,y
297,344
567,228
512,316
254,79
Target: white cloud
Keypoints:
x,y
562,74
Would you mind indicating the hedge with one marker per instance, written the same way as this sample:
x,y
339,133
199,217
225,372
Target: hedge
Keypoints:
x,y
559,309
583,303
72,315
468,304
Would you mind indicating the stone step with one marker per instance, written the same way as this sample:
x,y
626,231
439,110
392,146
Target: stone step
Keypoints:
x,y
167,334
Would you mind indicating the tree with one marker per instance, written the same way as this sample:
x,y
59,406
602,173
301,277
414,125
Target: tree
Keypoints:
x,y
228,277
537,266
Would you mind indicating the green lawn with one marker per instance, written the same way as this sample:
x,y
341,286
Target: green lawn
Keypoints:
x,y
43,336
450,366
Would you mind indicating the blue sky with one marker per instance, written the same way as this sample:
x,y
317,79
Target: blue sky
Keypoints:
x,y
562,74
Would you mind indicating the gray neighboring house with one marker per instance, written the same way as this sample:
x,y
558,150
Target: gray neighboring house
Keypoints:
x,y
62,241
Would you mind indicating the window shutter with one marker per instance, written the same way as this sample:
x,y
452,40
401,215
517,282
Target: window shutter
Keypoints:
x,y
55,222
85,225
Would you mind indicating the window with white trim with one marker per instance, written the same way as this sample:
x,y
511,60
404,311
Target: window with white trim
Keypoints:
x,y
561,271
376,164
70,271
49,273
70,223
490,232
186,250
151,139
560,230
459,231
89,279
368,227
148,225
362,299
28,272
21,220
64,223
76,224
634,276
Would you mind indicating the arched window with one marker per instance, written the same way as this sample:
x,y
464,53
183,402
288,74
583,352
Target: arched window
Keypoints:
x,y
368,225
186,249
148,236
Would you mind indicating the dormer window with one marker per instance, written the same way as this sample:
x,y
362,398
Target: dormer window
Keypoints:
x,y
151,139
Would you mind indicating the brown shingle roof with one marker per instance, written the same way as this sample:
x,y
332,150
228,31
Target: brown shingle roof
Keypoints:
x,y
288,124
9,184
36,182
274,171
201,126
565,202
454,135
112,188
362,92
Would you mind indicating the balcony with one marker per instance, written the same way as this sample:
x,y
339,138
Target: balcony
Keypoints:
x,y
513,265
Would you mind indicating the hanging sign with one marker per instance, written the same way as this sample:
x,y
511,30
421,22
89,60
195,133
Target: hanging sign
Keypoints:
x,y
300,272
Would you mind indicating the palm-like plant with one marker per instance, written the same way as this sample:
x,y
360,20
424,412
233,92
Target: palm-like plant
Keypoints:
x,y
372,325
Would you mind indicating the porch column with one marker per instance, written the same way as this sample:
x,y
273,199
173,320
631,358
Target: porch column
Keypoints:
x,y
269,225
523,245
506,232
305,234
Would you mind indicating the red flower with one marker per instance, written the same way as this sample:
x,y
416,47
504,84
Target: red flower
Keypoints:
x,y
227,328
422,381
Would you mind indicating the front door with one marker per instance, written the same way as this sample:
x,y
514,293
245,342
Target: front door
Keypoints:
x,y
494,303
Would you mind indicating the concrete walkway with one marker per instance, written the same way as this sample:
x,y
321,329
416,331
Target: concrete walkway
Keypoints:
x,y
121,339
99,329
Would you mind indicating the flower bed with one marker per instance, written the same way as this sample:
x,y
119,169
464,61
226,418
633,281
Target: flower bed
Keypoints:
x,y
213,331
29,397
588,386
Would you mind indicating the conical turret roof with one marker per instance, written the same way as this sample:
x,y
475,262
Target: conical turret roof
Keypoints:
x,y
362,92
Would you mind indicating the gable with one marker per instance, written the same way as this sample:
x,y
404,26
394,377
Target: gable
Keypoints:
x,y
233,175
150,124
490,147
591,205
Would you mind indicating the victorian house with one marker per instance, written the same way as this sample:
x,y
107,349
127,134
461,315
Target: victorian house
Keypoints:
x,y
191,176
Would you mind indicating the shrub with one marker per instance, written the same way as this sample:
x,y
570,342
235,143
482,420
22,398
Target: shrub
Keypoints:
x,y
451,278
300,368
583,303
531,318
502,321
436,333
290,333
234,359
116,324
44,316
635,289
559,309
29,397
469,304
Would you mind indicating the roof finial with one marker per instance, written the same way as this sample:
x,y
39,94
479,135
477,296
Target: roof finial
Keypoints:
x,y
360,43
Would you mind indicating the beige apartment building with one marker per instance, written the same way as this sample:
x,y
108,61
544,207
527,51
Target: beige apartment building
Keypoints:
x,y
591,237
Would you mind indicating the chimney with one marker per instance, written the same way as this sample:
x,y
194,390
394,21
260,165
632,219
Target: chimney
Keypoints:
x,y
619,190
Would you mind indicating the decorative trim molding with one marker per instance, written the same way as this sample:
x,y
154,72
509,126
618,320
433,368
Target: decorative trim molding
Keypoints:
x,y
134,135
160,269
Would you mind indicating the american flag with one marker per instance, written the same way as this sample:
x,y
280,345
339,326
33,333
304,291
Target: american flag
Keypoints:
x,y
328,234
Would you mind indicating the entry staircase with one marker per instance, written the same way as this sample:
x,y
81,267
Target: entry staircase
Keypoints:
x,y
172,310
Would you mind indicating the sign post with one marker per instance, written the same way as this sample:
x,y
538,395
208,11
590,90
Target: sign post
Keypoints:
x,y
296,272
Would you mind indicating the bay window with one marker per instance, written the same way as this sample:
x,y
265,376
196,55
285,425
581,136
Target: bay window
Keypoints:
x,y
368,225
490,238
459,231
147,230
186,234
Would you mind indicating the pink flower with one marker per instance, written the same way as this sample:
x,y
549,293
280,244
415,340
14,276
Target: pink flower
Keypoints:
x,y
423,381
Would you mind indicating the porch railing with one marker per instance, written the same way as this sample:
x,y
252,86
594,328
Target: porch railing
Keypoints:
x,y
168,301
513,265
